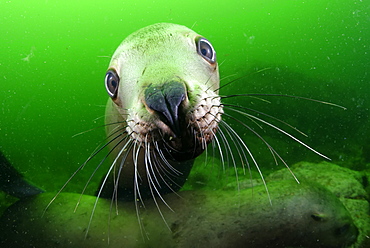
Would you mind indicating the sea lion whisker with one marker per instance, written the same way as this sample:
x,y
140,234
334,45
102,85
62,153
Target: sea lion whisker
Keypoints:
x,y
249,128
156,203
158,166
209,128
114,198
92,129
102,161
239,148
168,149
209,79
149,169
117,129
246,95
166,146
224,142
127,148
137,195
223,137
100,148
244,76
194,135
228,76
161,169
274,153
283,95
205,150
243,161
103,182
87,131
282,131
151,186
230,152
252,157
267,115
113,123
136,151
203,143
163,158
216,140
252,120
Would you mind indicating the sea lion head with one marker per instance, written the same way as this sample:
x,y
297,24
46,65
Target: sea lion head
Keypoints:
x,y
163,85
163,82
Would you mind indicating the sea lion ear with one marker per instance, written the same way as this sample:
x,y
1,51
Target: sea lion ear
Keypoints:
x,y
112,83
205,49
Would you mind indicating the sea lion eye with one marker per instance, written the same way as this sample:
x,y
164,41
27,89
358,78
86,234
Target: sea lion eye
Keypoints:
x,y
319,217
205,49
112,82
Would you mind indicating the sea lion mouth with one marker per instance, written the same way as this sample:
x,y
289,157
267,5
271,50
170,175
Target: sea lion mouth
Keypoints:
x,y
181,131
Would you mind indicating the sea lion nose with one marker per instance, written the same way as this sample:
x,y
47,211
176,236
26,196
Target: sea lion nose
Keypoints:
x,y
166,100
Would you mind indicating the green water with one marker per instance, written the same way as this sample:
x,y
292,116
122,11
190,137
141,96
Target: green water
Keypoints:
x,y
54,54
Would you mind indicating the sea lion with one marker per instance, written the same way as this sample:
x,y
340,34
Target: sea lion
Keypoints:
x,y
163,110
302,215
13,183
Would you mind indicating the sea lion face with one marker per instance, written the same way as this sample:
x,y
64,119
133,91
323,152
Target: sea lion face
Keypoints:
x,y
163,80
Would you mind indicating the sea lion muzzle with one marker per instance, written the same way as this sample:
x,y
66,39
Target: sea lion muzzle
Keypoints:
x,y
166,101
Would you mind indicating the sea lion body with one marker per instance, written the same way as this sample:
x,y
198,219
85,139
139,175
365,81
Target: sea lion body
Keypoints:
x,y
164,108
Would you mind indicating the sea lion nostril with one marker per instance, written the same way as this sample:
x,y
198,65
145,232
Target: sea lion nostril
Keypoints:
x,y
166,101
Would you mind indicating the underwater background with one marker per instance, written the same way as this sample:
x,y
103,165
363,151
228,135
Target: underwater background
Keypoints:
x,y
54,55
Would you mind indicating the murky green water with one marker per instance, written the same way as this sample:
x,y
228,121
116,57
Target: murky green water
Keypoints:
x,y
54,54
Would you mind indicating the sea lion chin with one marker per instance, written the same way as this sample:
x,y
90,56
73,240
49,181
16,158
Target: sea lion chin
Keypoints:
x,y
163,110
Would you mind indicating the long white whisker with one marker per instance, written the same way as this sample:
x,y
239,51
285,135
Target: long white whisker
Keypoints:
x,y
137,194
159,167
272,150
225,144
79,169
97,167
282,131
252,157
231,155
151,184
230,106
219,146
92,129
101,189
282,95
161,155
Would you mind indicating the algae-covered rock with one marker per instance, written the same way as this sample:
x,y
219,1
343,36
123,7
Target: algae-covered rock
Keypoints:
x,y
343,182
304,215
